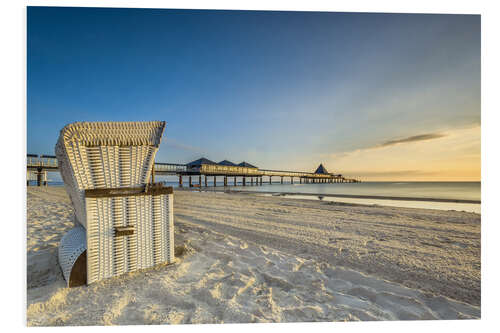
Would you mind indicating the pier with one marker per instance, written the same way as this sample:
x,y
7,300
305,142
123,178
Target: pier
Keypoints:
x,y
38,166
199,172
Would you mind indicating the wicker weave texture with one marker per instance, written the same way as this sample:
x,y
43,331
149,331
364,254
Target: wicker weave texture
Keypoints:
x,y
73,243
113,155
106,155
151,244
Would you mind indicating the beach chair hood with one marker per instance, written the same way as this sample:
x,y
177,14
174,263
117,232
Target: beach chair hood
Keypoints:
x,y
94,155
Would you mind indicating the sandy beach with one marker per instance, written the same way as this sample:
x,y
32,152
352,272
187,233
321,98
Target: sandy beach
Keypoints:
x,y
247,258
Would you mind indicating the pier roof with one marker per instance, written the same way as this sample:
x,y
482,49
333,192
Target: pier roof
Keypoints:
x,y
226,162
246,165
199,162
321,170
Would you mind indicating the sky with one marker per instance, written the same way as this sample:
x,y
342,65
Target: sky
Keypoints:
x,y
372,96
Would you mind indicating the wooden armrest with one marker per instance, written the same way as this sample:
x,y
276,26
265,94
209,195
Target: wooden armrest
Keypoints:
x,y
124,231
149,189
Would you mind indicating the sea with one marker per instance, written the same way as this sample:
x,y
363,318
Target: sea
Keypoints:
x,y
459,196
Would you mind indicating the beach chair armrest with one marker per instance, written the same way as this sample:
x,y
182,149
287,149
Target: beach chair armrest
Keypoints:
x,y
148,189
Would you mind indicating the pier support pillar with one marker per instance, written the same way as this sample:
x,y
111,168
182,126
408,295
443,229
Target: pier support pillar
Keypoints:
x,y
291,180
244,181
281,179
199,181
190,182
206,181
235,181
180,180
260,180
39,177
215,181
251,181
270,180
225,181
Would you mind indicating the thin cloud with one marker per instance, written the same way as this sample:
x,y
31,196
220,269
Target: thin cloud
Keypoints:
x,y
371,173
415,138
175,144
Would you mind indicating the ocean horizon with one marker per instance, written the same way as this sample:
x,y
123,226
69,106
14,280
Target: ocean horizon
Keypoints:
x,y
452,190
424,194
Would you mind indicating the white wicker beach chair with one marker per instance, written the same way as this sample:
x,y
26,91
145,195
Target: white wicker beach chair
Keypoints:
x,y
123,223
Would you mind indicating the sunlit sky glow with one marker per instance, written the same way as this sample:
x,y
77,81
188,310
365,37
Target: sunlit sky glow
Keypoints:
x,y
375,96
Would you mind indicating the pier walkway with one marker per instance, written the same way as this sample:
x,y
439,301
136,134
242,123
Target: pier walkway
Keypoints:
x,y
200,170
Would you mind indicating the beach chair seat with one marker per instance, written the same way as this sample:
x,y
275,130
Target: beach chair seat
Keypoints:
x,y
123,223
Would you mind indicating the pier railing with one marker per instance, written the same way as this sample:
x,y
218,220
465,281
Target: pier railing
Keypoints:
x,y
172,168
42,161
298,174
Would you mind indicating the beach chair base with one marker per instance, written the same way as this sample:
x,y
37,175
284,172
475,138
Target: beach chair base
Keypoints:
x,y
128,229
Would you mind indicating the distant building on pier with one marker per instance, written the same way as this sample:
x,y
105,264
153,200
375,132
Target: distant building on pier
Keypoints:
x,y
321,170
247,165
227,163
